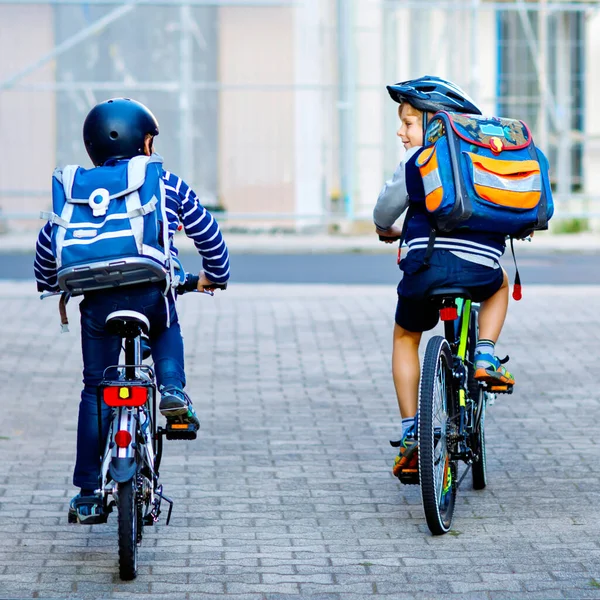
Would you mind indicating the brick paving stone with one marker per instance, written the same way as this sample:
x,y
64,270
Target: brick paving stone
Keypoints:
x,y
287,493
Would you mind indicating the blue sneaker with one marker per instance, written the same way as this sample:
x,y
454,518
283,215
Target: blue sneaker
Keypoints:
x,y
176,406
406,464
489,369
87,510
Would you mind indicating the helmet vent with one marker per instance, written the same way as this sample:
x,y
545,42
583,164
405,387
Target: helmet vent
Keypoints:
x,y
455,96
113,135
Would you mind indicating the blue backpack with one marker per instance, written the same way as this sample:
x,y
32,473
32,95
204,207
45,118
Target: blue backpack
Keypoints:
x,y
109,225
484,174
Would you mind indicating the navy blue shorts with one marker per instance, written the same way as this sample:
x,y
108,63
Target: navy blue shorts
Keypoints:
x,y
415,312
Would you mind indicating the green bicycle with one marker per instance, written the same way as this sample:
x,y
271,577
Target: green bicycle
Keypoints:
x,y
452,405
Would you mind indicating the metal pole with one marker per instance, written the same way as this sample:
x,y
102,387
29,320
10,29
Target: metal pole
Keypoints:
x,y
563,131
535,56
475,66
186,109
544,107
346,102
390,116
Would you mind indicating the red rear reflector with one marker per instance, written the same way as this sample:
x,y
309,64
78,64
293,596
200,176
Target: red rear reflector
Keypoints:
x,y
449,313
122,438
114,396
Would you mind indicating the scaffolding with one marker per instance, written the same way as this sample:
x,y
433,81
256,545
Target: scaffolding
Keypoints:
x,y
275,111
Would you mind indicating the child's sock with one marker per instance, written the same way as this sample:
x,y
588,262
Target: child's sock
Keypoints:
x,y
407,424
485,347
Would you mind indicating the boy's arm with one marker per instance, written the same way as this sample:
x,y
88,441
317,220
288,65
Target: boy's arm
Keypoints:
x,y
44,266
393,198
201,227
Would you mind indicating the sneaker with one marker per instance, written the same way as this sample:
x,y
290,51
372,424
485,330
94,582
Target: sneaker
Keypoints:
x,y
87,510
176,406
489,369
407,461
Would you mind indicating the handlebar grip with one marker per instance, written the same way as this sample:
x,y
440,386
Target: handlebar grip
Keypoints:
x,y
384,238
191,284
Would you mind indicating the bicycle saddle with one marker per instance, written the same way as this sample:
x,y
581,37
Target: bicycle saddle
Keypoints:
x,y
454,292
127,323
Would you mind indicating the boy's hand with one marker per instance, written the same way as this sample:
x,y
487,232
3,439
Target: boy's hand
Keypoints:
x,y
390,235
204,283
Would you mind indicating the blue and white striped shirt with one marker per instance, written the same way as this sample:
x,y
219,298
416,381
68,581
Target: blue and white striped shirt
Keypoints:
x,y
183,207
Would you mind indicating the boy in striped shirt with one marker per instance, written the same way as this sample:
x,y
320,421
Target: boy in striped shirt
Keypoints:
x,y
117,130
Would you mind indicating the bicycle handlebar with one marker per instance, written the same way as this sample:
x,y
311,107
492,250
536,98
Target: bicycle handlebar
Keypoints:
x,y
190,284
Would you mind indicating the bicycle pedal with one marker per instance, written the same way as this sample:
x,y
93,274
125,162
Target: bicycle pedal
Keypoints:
x,y
181,431
409,477
88,520
501,389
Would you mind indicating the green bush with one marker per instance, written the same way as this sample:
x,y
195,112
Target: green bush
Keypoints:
x,y
575,225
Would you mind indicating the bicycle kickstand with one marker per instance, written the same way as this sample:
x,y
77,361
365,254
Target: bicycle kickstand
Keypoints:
x,y
166,499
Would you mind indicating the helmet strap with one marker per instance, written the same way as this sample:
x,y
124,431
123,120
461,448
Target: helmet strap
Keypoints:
x,y
425,121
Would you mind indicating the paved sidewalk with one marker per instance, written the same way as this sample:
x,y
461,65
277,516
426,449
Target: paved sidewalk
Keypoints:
x,y
281,243
287,494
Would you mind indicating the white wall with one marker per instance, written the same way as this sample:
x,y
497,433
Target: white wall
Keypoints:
x,y
27,119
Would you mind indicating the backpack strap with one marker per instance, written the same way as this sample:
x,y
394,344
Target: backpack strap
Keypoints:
x,y
53,218
517,293
429,250
143,210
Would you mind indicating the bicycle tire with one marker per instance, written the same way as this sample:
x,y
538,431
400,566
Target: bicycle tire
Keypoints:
x,y
477,441
128,534
437,410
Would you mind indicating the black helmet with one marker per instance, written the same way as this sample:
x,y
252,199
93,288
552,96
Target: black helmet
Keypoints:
x,y
430,94
116,129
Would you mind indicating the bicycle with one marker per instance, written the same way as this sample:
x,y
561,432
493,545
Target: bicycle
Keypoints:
x,y
132,453
451,411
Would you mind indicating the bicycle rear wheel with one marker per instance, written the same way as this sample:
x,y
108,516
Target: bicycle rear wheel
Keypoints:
x,y
128,529
437,420
477,394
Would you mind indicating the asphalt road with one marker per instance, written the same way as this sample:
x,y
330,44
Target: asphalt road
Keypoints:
x,y
354,268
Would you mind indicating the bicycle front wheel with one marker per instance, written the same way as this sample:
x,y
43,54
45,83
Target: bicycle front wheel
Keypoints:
x,y
437,421
128,530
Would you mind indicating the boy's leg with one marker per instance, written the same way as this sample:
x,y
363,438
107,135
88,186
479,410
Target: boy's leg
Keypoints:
x,y
167,354
99,351
493,313
491,319
406,369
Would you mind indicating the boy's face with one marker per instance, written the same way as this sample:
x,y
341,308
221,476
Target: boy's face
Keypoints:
x,y
411,126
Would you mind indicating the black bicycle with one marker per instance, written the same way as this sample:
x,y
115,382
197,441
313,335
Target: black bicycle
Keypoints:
x,y
452,405
132,454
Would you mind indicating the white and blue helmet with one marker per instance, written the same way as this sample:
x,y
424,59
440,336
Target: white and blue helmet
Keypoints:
x,y
430,94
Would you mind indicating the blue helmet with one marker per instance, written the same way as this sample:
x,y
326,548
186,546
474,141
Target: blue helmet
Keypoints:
x,y
430,94
116,129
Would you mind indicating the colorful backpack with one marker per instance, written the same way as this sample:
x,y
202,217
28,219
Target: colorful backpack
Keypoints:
x,y
484,174
109,225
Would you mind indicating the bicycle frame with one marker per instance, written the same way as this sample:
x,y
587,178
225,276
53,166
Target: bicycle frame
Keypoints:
x,y
133,447
456,333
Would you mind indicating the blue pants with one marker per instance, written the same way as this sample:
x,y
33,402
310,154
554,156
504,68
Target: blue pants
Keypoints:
x,y
414,312
101,350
